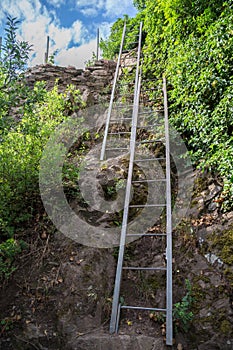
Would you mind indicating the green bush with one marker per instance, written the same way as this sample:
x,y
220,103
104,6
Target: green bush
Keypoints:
x,y
27,119
21,149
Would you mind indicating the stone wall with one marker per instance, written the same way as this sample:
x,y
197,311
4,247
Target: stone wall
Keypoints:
x,y
94,82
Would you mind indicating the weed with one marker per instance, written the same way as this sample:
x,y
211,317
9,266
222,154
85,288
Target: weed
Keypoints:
x,y
181,312
8,251
6,324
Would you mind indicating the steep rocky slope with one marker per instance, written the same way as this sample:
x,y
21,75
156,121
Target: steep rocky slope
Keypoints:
x,y
60,295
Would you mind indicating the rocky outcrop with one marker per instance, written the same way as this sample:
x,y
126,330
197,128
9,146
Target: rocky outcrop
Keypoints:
x,y
91,81
117,342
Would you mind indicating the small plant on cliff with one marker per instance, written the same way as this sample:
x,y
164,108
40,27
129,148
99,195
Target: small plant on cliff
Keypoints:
x,y
91,61
181,312
51,59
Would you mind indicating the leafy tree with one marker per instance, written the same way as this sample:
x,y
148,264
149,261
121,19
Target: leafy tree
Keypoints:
x,y
139,4
15,52
13,62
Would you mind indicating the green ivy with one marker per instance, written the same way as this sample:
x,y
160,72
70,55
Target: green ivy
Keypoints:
x,y
191,42
110,47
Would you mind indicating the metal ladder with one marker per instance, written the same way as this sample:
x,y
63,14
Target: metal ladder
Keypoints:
x,y
115,105
136,114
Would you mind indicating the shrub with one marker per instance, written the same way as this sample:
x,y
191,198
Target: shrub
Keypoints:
x,y
21,150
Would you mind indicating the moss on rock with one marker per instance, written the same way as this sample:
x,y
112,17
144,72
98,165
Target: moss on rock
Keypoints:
x,y
226,327
223,243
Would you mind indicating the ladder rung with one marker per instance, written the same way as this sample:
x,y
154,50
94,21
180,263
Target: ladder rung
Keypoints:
x,y
157,180
127,93
152,112
129,65
147,205
128,50
146,113
132,42
118,120
123,106
127,96
145,103
123,84
149,88
145,234
116,149
153,100
133,53
150,79
149,141
146,91
150,126
119,133
144,268
143,308
149,159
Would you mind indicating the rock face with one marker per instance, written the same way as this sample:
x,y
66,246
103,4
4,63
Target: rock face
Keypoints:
x,y
90,81
119,342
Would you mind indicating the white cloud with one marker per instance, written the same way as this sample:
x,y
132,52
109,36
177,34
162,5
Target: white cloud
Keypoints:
x,y
35,34
20,9
60,39
56,3
108,8
76,56
89,12
59,36
118,8
77,31
105,29
84,3
38,21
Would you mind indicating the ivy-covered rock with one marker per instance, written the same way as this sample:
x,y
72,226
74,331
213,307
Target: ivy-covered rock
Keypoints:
x,y
191,42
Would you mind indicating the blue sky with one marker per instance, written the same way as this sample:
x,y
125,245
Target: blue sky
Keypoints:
x,y
71,25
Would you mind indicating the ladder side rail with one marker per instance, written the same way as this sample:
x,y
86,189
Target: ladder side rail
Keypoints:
x,y
116,295
115,304
169,323
138,64
112,95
